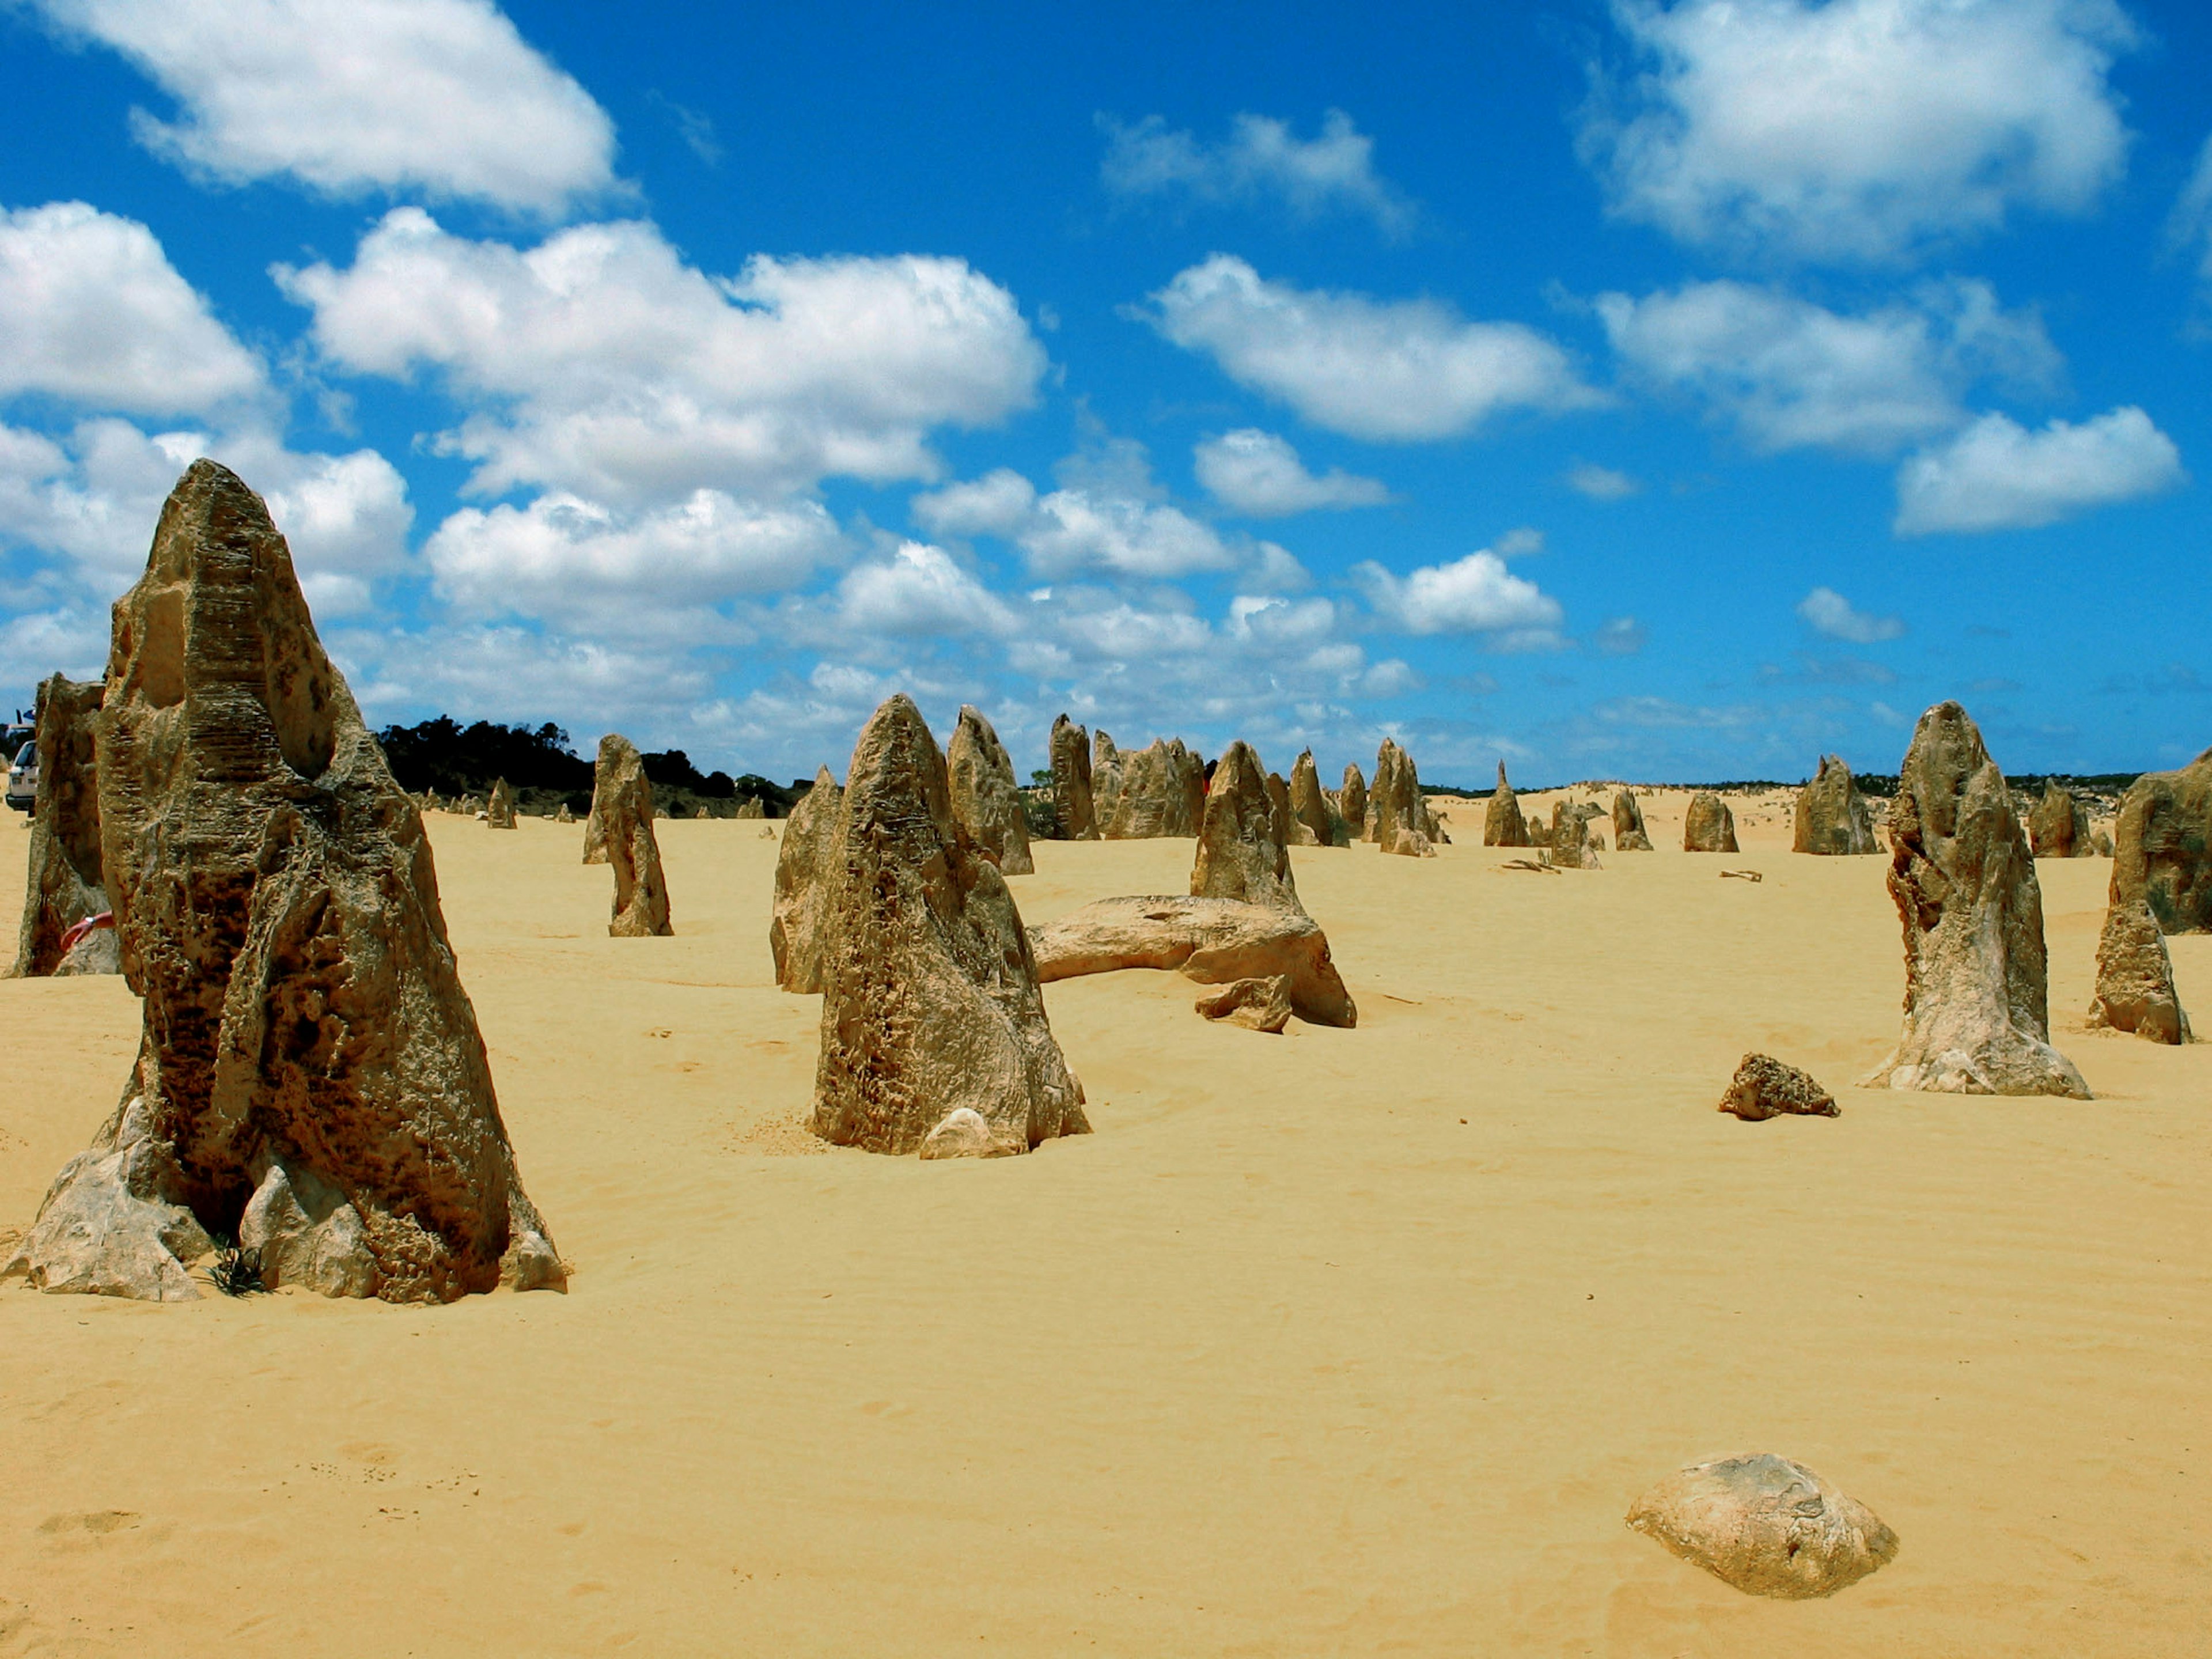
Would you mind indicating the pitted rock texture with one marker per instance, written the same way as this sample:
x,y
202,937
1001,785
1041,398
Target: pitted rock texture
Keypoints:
x,y
1241,853
1765,1525
1163,793
2058,828
1503,824
803,869
277,912
1832,817
1394,800
1310,806
63,885
1074,813
985,797
1569,841
930,999
2134,976
1708,826
622,808
1107,777
1629,835
499,810
2162,846
1213,941
1764,1087
1976,1017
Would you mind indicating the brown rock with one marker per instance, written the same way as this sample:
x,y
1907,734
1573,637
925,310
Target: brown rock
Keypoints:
x,y
622,812
1501,823
1163,793
1288,830
2162,846
1975,1015
931,1000
1765,1525
2057,827
499,811
1213,941
986,799
304,1024
1240,853
751,808
1309,806
1709,827
1351,804
1764,1087
1107,779
804,870
1258,1005
1074,814
1394,799
562,815
1833,817
63,886
2134,976
1629,835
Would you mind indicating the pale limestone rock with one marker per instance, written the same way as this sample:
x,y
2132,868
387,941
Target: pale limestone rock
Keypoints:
x,y
1288,830
622,814
1976,1011
986,799
1106,780
1163,793
1351,804
2162,846
1629,835
1764,1087
805,868
1074,813
1767,1526
1502,822
1241,854
963,1132
562,815
1394,799
63,886
1210,940
499,811
1408,842
1708,826
278,916
931,999
2134,976
306,1234
751,808
1257,1005
1310,806
1832,817
2058,828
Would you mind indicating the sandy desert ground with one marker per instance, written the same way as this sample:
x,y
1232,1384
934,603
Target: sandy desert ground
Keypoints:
x,y
1336,1343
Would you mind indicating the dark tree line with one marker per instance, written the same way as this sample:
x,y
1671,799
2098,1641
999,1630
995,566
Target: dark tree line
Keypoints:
x,y
540,764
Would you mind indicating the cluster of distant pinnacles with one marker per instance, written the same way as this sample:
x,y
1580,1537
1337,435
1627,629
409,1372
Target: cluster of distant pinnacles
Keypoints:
x,y
312,1104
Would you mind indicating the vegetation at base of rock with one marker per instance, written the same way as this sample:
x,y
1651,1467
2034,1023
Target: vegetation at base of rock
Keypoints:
x,y
236,1270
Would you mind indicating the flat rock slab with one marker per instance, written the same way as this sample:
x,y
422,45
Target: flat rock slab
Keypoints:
x,y
1765,1525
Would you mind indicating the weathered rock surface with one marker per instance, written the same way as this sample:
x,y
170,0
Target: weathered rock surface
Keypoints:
x,y
622,811
1241,854
2162,846
1410,843
2058,828
1309,806
1290,829
63,886
499,810
1163,793
1107,777
2134,976
804,871
930,999
1351,804
1257,1005
1832,817
1767,1526
963,1132
1764,1087
751,807
986,799
278,915
1502,822
1629,835
1074,814
1977,1017
1214,941
562,815
1395,801
1708,826
1569,840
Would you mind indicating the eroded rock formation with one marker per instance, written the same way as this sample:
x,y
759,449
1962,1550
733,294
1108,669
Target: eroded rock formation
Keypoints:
x,y
931,1001
63,887
622,808
1163,793
1708,826
1107,777
1831,817
1074,814
1351,803
562,815
1399,816
311,1072
1240,851
2058,828
1629,835
1767,1526
1569,841
2134,976
1257,1005
1764,1087
986,799
805,866
2162,846
1309,806
1977,1017
1211,941
1502,822
499,810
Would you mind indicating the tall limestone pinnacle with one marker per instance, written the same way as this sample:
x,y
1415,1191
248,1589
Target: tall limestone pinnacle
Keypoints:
x,y
310,1075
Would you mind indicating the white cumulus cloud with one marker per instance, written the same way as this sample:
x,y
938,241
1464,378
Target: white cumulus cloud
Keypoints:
x,y
92,312
1259,474
920,589
997,504
1261,160
1829,613
1473,595
1859,129
598,362
440,97
1998,475
1792,375
1398,371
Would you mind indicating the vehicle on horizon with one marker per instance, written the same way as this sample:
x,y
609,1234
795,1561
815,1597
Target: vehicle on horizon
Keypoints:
x,y
23,778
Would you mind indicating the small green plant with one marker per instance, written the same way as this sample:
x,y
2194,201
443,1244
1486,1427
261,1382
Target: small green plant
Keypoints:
x,y
237,1269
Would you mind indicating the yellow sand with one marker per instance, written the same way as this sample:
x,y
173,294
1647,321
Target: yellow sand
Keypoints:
x,y
1341,1342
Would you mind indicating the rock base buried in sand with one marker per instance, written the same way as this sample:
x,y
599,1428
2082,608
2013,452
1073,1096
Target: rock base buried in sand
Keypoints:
x,y
1764,1087
963,1133
2134,977
1258,1005
1767,1526
1214,941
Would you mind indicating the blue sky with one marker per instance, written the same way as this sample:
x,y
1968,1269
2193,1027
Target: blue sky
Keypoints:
x,y
1658,392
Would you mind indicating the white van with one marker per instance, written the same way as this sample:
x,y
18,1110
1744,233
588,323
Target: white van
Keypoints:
x,y
23,779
